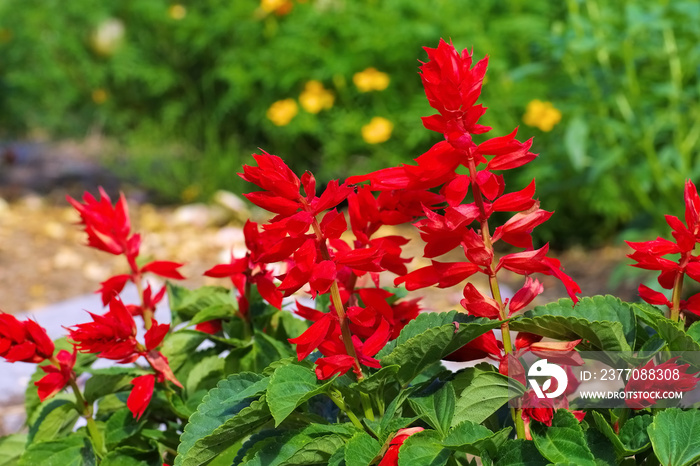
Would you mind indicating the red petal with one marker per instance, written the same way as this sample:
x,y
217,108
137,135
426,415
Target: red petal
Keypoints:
x,y
154,336
164,269
140,395
112,287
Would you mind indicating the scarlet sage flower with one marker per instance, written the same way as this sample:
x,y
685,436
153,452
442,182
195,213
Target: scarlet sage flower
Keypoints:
x,y
141,394
56,378
24,341
672,377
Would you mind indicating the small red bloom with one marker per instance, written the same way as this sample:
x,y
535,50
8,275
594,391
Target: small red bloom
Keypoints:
x,y
111,336
680,381
141,394
56,378
23,341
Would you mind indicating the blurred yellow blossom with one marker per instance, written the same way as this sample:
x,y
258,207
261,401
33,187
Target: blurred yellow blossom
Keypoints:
x,y
177,11
99,96
315,97
279,7
543,115
281,112
107,37
371,80
377,130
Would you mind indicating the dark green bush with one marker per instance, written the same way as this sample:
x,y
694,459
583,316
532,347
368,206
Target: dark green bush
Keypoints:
x,y
185,93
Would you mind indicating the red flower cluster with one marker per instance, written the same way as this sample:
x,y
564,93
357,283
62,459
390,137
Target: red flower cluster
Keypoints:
x,y
27,341
649,255
109,229
113,336
679,381
360,321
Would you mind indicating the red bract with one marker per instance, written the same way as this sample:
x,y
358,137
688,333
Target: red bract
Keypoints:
x,y
23,341
111,336
391,457
56,378
141,394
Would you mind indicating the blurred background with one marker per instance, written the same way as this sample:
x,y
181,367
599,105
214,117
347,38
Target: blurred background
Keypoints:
x,y
171,97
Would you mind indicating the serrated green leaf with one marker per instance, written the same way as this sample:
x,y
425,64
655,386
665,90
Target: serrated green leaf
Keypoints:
x,y
338,458
423,448
107,382
11,447
185,303
207,369
634,439
179,346
520,452
313,445
413,353
361,449
601,447
484,395
563,441
74,450
374,381
56,418
603,322
228,398
468,437
694,332
120,426
129,456
316,451
289,387
265,350
436,408
675,437
240,425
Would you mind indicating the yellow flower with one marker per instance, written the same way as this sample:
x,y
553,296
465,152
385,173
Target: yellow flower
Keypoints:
x,y
99,96
177,11
281,112
315,98
543,115
377,130
279,7
371,80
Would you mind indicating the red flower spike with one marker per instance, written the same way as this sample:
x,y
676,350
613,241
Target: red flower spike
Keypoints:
x,y
273,175
517,201
692,207
165,269
111,336
107,227
140,395
56,378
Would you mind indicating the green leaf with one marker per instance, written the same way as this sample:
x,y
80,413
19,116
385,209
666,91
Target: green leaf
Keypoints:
x,y
313,445
110,380
420,344
602,322
221,403
216,311
520,452
436,408
675,437
209,368
423,448
74,450
474,438
601,447
235,428
484,394
179,346
564,441
11,447
129,456
289,387
635,439
694,332
120,426
373,382
185,303
361,449
56,419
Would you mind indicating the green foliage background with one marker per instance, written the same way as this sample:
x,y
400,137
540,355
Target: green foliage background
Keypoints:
x,y
187,99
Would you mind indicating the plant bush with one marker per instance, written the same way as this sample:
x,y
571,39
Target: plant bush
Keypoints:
x,y
237,379
189,90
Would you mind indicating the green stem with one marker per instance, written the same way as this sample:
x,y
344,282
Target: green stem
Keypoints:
x,y
85,411
676,297
337,398
367,406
